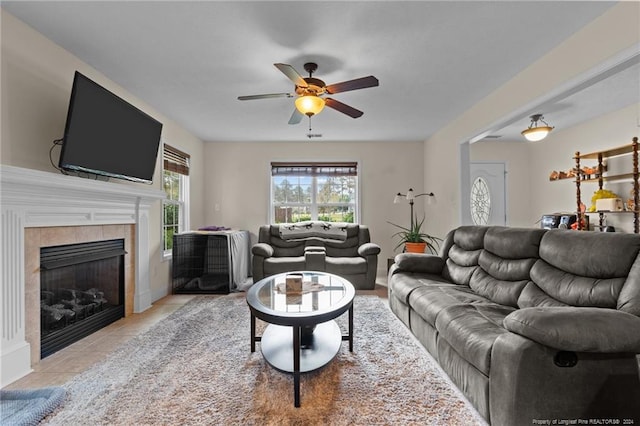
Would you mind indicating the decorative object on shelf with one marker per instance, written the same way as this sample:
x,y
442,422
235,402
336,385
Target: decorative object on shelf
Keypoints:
x,y
609,205
630,203
600,178
601,195
536,132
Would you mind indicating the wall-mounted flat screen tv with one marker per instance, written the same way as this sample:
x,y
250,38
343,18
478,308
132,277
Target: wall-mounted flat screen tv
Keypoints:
x,y
107,136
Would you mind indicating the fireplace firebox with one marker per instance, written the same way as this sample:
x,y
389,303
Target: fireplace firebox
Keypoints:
x,y
81,291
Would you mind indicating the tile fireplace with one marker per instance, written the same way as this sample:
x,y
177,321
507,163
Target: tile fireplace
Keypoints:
x,y
43,209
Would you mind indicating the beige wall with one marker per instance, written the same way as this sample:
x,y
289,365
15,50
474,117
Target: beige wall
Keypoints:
x,y
609,131
36,78
238,179
611,33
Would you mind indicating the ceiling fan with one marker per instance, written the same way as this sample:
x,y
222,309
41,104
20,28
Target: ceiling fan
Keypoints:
x,y
310,92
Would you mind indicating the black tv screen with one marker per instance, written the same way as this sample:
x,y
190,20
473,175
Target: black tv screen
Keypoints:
x,y
107,136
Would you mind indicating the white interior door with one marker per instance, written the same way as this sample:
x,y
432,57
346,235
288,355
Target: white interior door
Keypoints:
x,y
487,194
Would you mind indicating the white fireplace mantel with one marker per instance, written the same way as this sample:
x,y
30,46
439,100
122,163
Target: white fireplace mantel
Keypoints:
x,y
33,198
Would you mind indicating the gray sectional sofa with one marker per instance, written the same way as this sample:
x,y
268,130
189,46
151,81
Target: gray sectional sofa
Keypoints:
x,y
351,255
530,324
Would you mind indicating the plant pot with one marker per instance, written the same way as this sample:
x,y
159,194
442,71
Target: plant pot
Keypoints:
x,y
415,247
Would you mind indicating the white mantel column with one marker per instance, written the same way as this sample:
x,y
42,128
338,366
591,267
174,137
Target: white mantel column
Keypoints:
x,y
33,198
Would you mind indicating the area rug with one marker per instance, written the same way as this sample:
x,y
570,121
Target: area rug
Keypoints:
x,y
28,407
195,368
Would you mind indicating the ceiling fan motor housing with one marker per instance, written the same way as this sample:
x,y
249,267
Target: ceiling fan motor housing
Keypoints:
x,y
315,86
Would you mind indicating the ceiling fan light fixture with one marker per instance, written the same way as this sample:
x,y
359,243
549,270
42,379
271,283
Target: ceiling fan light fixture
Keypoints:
x,y
535,132
309,104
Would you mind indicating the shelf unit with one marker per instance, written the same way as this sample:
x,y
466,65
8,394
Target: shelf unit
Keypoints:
x,y
631,149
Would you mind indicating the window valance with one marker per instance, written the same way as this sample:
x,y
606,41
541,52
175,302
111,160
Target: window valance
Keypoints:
x,y
176,160
314,168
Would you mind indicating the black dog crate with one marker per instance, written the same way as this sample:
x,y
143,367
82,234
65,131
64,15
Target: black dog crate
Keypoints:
x,y
201,263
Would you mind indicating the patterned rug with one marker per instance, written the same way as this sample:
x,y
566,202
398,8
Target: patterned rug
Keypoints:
x,y
195,368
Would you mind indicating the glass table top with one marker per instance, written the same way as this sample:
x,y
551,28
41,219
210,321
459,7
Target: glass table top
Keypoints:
x,y
321,292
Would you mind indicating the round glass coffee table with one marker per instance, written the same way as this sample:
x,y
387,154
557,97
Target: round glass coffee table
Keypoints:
x,y
301,335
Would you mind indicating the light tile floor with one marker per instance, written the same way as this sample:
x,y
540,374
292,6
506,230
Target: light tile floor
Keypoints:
x,y
65,364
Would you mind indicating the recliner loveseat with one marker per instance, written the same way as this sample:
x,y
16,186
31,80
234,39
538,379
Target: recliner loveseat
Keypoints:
x,y
342,249
531,325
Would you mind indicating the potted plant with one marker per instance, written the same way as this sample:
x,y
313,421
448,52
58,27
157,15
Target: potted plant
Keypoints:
x,y
415,240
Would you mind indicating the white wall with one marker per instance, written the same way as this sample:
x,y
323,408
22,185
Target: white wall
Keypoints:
x,y
36,78
609,131
238,179
606,36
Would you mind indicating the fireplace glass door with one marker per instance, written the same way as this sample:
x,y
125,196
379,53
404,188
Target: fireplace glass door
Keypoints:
x,y
81,291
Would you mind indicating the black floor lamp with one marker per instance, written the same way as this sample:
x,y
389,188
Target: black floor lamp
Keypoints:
x,y
410,196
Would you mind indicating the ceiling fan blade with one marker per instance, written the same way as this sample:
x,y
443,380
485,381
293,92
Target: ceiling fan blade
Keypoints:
x,y
343,108
292,74
358,83
296,117
266,96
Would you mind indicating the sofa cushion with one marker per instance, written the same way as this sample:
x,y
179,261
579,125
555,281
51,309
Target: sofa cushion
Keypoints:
x,y
346,265
278,265
404,283
429,300
532,296
472,329
576,290
594,255
504,268
470,237
464,248
513,243
498,291
505,263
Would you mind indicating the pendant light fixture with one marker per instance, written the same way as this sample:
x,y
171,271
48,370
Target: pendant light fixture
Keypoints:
x,y
309,104
537,132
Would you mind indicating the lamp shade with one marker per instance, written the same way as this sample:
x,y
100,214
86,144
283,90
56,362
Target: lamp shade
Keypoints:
x,y
410,196
309,104
534,134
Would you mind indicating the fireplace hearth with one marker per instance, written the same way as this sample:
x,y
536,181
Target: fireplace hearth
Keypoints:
x,y
81,291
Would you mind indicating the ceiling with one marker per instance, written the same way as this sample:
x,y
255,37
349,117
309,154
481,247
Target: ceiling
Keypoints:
x,y
191,60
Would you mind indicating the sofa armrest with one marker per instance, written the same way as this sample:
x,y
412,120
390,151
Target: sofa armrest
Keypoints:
x,y
578,329
262,249
418,262
369,249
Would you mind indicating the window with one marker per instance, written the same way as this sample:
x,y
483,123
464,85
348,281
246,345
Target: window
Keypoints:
x,y
175,181
314,191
